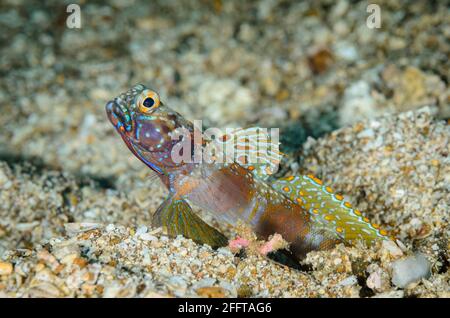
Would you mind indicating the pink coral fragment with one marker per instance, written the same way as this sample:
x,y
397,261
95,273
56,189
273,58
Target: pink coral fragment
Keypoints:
x,y
276,242
237,244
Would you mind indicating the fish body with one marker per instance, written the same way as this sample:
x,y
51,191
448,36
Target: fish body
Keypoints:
x,y
305,212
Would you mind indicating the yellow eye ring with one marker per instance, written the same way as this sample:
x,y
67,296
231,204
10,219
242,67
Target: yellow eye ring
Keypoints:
x,y
148,100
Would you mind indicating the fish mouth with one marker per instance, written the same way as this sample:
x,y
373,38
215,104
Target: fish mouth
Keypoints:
x,y
116,116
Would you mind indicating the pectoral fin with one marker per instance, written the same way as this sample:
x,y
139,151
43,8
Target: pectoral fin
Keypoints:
x,y
177,217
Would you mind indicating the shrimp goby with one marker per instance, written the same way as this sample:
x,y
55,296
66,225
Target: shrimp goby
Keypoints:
x,y
304,211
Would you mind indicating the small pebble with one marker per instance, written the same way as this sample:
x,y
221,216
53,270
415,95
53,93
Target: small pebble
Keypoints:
x,y
5,268
391,294
211,292
141,230
349,281
392,248
147,237
374,281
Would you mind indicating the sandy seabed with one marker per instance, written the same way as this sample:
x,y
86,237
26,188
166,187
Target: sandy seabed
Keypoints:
x,y
366,110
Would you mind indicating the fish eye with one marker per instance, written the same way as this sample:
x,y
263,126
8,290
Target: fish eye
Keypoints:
x,y
148,100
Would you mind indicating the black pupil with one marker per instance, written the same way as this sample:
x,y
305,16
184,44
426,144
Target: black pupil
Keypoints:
x,y
149,102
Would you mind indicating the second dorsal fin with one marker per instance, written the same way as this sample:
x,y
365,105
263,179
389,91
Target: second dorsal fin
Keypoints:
x,y
328,210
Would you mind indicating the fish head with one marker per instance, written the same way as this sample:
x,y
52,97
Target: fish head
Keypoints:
x,y
148,127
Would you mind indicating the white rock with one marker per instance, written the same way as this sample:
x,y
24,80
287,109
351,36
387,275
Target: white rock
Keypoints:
x,y
357,104
224,251
346,51
88,124
76,228
401,245
392,248
349,281
141,230
204,283
374,281
416,223
340,8
146,260
177,285
411,269
391,294
229,287
23,227
366,133
147,237
337,261
111,291
90,214
110,228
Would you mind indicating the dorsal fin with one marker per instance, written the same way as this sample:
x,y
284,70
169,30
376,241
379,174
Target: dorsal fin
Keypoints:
x,y
253,148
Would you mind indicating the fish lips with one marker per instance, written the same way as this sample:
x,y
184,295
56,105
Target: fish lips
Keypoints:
x,y
117,116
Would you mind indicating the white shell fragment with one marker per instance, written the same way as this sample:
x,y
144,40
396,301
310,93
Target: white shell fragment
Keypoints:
x,y
411,269
76,228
